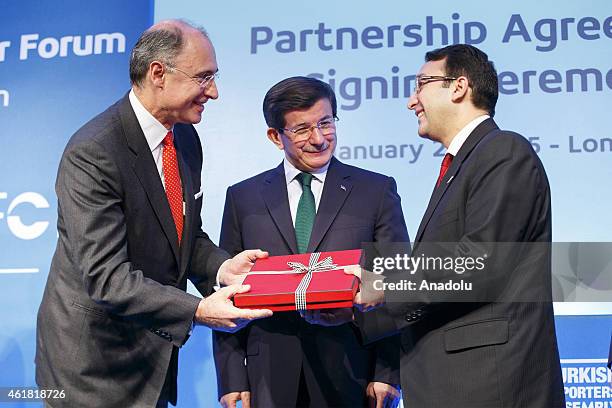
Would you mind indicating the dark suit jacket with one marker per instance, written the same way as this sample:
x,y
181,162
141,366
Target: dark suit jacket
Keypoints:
x,y
356,206
115,305
499,352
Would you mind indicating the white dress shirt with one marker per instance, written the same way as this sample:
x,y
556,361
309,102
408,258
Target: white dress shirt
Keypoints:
x,y
294,187
461,137
154,132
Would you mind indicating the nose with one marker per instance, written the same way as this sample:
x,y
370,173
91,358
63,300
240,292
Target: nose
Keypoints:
x,y
211,90
412,101
316,137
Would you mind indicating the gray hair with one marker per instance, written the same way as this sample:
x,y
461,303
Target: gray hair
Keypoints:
x,y
162,42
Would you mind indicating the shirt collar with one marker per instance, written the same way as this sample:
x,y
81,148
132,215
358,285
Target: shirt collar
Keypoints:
x,y
461,137
291,172
153,130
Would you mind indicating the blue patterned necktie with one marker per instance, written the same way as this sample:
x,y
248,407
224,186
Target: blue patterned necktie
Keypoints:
x,y
306,211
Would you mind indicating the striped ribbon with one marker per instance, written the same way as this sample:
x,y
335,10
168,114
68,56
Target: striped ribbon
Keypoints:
x,y
314,265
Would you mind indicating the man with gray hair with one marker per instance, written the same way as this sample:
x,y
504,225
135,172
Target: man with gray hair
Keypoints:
x,y
115,312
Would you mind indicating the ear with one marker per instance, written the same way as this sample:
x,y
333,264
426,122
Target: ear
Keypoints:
x,y
461,88
276,138
157,73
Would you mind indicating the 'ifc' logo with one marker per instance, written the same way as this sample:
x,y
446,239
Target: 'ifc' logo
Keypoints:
x,y
14,222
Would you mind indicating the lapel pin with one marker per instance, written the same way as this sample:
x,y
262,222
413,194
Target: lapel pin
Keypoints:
x,y
342,187
450,179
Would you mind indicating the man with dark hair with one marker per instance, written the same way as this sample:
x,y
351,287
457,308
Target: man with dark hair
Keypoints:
x,y
311,202
115,312
473,64
496,345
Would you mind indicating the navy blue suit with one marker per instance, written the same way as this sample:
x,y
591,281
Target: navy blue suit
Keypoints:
x,y
356,206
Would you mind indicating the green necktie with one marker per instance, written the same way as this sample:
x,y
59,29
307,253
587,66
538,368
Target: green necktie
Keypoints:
x,y
304,218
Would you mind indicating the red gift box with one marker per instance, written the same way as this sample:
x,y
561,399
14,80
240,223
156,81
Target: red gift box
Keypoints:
x,y
275,282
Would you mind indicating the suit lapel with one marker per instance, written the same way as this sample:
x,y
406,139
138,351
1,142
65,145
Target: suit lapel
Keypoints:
x,y
146,171
470,143
336,189
274,194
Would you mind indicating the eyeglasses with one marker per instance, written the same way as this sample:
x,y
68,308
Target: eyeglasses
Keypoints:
x,y
301,133
203,81
425,79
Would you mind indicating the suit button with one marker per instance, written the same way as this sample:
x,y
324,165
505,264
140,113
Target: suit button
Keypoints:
x,y
409,318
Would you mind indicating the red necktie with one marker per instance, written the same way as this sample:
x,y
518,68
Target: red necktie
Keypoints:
x,y
446,162
174,191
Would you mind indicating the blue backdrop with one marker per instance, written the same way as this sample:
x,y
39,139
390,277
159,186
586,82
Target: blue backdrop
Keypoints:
x,y
62,62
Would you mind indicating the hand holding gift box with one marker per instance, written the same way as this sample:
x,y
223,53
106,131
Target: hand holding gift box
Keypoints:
x,y
367,297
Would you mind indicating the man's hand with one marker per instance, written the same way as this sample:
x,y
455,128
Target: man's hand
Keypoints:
x,y
366,298
230,399
328,317
218,312
234,270
382,395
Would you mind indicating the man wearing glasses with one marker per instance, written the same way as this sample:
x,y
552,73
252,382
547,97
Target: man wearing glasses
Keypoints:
x,y
496,345
310,202
115,311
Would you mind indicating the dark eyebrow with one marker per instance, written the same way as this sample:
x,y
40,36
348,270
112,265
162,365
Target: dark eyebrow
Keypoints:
x,y
306,124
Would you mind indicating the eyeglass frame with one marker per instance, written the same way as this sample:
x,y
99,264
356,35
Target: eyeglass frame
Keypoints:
x,y
201,82
422,80
308,129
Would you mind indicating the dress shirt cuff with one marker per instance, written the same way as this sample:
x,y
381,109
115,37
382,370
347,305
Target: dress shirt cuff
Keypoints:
x,y
218,277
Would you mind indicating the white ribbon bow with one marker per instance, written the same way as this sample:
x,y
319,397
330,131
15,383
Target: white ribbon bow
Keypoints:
x,y
314,265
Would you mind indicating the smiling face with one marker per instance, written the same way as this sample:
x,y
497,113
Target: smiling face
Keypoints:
x,y
316,151
432,104
181,99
